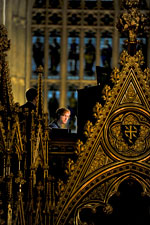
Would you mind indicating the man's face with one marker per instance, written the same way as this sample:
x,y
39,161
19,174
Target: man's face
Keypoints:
x,y
64,118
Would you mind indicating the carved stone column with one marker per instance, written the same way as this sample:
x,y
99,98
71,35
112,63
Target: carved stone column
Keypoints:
x,y
63,78
115,49
98,39
81,56
46,52
16,26
148,4
82,48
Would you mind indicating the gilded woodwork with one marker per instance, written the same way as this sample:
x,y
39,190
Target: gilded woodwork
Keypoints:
x,y
132,21
130,137
116,147
120,133
70,167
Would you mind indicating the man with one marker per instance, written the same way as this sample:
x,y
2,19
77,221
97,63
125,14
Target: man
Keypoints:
x,y
26,120
31,96
29,106
62,116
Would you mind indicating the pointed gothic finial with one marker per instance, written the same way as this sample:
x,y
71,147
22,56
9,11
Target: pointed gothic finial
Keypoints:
x,y
6,97
130,3
4,42
132,22
40,96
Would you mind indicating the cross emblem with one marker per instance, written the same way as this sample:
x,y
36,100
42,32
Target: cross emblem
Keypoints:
x,y
130,133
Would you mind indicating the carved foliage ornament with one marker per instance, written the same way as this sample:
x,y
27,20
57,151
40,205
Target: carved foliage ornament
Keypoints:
x,y
126,58
70,167
130,3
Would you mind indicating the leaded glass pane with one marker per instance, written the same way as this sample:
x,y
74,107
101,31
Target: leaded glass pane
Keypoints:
x,y
122,45
72,105
53,102
54,57
37,53
106,52
74,4
73,57
89,57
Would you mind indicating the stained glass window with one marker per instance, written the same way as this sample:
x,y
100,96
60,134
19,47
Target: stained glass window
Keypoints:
x,y
53,102
73,57
54,57
89,57
106,52
37,53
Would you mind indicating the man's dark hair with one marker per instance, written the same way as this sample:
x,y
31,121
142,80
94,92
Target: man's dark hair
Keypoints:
x,y
31,94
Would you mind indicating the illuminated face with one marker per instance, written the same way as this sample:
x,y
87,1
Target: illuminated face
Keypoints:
x,y
64,118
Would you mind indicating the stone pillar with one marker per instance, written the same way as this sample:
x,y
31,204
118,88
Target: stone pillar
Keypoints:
x,y
98,48
45,77
115,44
148,4
2,12
81,74
28,44
81,56
16,26
63,75
98,37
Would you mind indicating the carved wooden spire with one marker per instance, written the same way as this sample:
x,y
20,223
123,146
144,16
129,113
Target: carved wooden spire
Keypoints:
x,y
6,97
132,23
40,99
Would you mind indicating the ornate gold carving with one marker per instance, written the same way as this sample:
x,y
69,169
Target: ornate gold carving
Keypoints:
x,y
130,3
61,187
131,96
91,205
70,167
40,99
88,129
9,219
136,131
4,42
98,111
108,209
99,193
5,84
98,161
116,145
137,58
20,180
132,21
2,133
115,75
91,155
147,76
79,147
106,93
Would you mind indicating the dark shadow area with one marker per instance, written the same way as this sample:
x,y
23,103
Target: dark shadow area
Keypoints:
x,y
129,204
130,207
89,96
